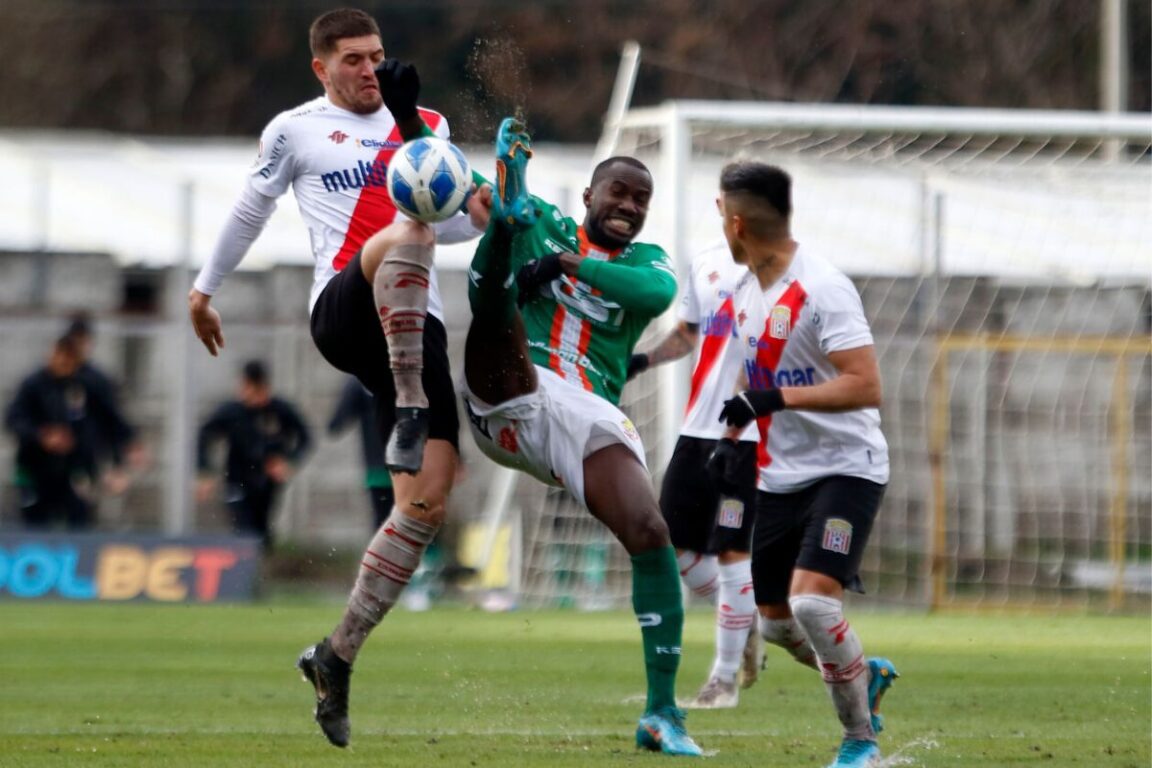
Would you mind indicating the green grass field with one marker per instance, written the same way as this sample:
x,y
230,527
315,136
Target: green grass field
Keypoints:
x,y
99,685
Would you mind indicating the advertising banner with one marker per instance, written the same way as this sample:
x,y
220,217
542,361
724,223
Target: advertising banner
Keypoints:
x,y
128,567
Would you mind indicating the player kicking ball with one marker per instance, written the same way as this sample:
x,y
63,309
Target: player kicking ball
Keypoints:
x,y
543,382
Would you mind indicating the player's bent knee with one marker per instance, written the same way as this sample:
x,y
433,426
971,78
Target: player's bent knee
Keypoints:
x,y
427,508
402,233
646,532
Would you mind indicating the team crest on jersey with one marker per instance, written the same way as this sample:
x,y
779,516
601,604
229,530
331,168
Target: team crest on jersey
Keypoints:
x,y
780,322
740,318
338,137
731,513
713,276
837,536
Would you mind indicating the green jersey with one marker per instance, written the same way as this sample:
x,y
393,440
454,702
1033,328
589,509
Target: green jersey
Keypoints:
x,y
585,326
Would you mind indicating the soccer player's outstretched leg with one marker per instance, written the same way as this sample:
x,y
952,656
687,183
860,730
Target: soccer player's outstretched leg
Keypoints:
x,y
375,312
545,403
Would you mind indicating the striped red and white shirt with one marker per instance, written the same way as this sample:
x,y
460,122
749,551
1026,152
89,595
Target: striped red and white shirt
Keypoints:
x,y
785,334
706,302
336,162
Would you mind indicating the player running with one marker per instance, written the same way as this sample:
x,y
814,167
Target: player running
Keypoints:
x,y
543,383
813,390
375,307
712,533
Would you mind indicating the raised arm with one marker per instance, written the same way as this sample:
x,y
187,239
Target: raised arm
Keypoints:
x,y
647,288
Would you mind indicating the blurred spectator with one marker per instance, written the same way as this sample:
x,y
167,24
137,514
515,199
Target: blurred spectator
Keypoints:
x,y
116,440
357,406
266,441
63,421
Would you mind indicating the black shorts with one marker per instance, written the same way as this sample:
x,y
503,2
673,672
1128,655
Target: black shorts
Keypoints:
x,y
822,528
690,501
346,329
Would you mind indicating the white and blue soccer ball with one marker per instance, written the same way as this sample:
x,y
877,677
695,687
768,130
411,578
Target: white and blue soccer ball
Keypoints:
x,y
429,179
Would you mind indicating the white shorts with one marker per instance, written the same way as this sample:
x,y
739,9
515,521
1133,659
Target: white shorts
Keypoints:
x,y
550,432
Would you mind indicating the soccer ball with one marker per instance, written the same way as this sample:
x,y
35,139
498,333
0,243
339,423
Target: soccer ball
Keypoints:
x,y
429,179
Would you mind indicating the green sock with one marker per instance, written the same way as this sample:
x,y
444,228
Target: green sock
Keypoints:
x,y
490,293
660,611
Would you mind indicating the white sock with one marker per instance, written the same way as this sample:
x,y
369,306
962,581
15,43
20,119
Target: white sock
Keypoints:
x,y
735,616
787,634
401,292
700,573
841,657
389,562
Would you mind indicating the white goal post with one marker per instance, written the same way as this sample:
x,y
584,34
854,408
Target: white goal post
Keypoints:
x,y
1004,261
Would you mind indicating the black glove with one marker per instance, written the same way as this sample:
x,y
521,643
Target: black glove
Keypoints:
x,y
724,468
536,273
751,404
637,364
400,87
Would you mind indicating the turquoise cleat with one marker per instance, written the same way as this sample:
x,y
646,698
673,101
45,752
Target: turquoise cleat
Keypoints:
x,y
663,731
881,675
857,753
511,203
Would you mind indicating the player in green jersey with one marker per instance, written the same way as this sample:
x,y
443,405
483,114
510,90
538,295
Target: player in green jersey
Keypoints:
x,y
543,382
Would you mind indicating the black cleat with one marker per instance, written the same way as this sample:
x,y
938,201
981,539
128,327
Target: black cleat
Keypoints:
x,y
329,675
405,449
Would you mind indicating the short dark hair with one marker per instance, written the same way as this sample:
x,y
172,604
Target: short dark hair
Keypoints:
x,y
255,372
330,28
79,325
767,182
603,166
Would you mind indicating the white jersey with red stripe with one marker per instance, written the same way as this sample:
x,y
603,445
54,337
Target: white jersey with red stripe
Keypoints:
x,y
707,304
336,162
785,336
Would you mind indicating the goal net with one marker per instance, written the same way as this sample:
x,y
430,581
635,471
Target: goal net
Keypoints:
x,y
1004,262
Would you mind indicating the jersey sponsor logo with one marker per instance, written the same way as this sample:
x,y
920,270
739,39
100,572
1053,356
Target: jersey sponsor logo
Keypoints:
x,y
580,299
362,176
718,324
780,322
760,377
731,513
274,156
377,144
649,619
583,361
837,536
338,137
